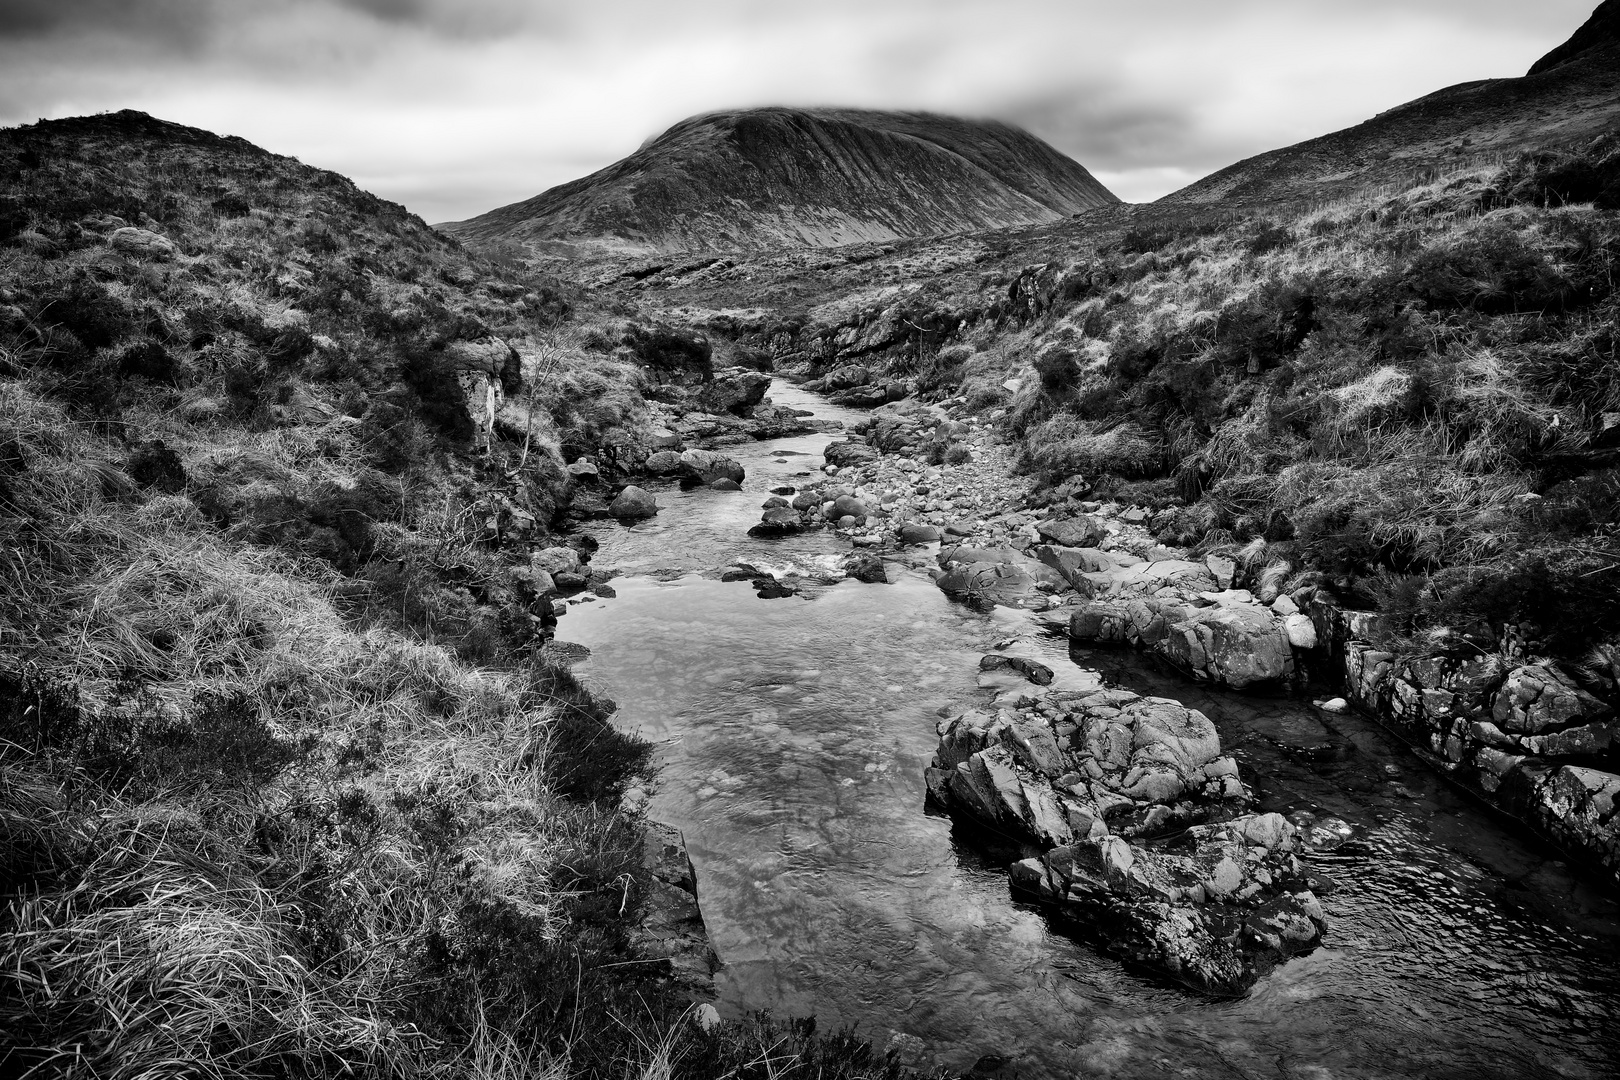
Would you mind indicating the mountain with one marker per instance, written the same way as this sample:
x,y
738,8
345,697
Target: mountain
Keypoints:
x,y
776,177
1569,96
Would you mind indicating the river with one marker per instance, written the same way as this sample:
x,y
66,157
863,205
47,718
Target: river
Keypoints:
x,y
793,734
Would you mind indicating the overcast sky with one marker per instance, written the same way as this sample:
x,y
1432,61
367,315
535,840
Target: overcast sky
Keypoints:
x,y
454,107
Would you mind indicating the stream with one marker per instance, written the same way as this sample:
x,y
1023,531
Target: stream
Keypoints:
x,y
793,734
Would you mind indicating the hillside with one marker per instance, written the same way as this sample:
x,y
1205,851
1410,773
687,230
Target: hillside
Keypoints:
x,y
776,177
290,783
1568,97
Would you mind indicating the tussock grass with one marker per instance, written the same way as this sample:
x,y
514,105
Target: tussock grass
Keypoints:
x,y
1416,381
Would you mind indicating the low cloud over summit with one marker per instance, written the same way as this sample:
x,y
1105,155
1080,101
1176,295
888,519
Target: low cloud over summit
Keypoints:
x,y
456,106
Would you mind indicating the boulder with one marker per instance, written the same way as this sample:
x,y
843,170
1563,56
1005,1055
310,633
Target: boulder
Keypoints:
x,y
1538,698
142,244
1300,630
633,504
1137,820
863,566
1222,569
1080,532
663,463
848,506
664,439
1237,646
844,452
913,533
725,484
706,466
583,471
777,521
736,391
556,560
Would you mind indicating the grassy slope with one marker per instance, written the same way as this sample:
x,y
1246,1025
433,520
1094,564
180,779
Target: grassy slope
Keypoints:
x,y
1404,393
283,788
1401,393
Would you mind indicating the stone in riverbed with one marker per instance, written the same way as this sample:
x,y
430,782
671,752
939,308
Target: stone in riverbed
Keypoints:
x,y
706,466
1131,801
1033,670
1236,646
913,533
725,484
863,566
777,521
663,463
633,504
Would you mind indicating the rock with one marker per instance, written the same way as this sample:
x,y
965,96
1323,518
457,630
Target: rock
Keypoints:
x,y
848,506
706,1017
1237,646
664,439
807,500
913,533
725,484
846,452
1335,705
142,244
1538,697
736,391
564,653
1301,631
1222,568
777,521
1080,532
633,504
863,566
555,560
706,466
663,463
583,470
1033,670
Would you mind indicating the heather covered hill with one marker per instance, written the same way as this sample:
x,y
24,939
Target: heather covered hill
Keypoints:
x,y
764,178
1569,97
289,783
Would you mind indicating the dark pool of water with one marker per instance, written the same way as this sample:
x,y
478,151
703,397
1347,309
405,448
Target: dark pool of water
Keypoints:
x,y
793,736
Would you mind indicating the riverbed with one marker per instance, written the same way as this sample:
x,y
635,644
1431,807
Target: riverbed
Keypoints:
x,y
793,734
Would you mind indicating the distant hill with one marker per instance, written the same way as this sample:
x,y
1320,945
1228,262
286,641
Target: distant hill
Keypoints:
x,y
777,177
1569,96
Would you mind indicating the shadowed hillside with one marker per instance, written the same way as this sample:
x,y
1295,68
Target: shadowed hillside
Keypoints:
x,y
290,783
803,177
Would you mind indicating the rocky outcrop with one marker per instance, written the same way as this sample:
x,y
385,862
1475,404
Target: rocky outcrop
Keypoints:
x,y
1171,607
670,931
1139,828
1518,732
738,391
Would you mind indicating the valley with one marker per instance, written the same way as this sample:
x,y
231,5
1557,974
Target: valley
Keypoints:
x,y
835,594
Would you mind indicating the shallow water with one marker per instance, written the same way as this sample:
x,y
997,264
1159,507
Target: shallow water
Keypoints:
x,y
794,733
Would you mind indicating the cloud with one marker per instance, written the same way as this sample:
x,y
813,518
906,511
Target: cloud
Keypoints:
x,y
456,106
176,21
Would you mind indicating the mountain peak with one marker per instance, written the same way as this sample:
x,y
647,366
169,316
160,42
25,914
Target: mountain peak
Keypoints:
x,y
789,177
1601,31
